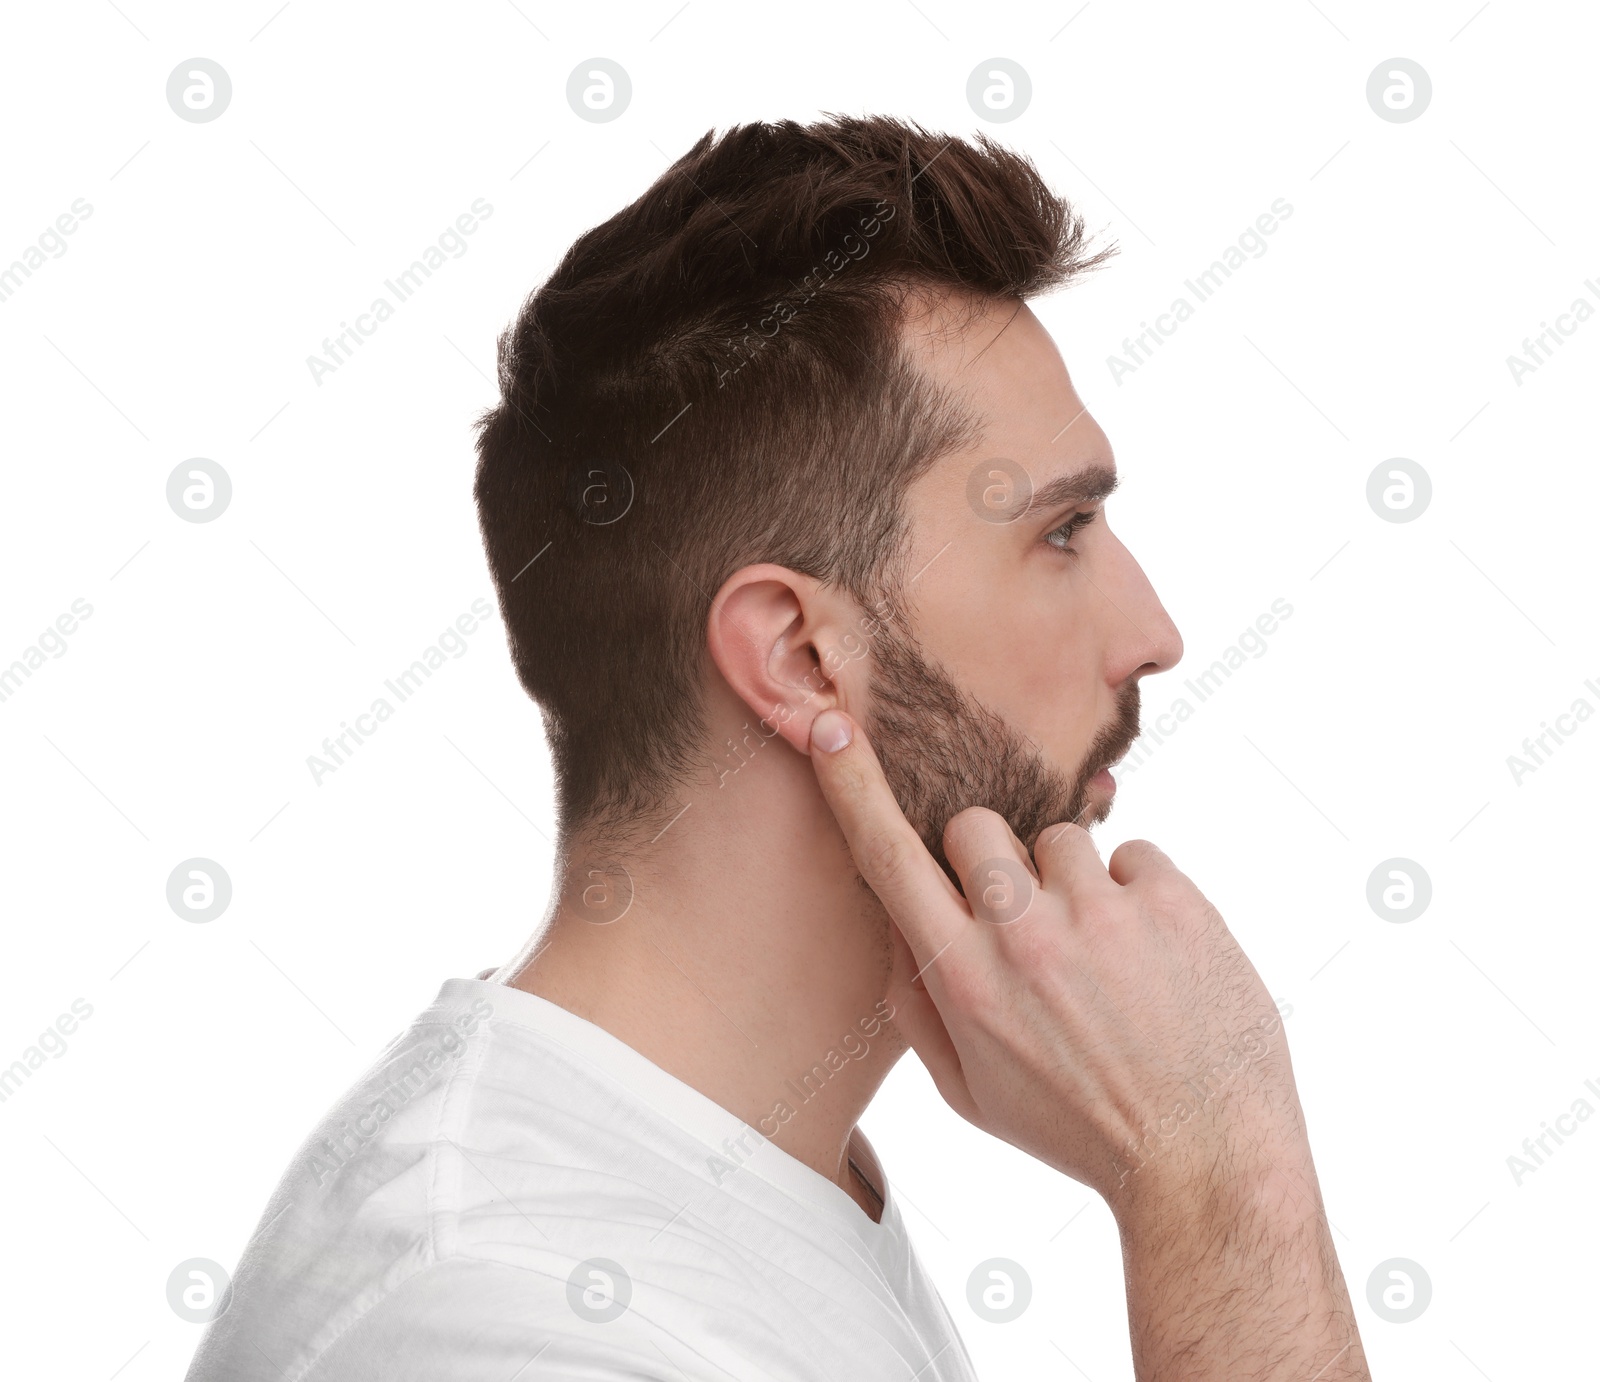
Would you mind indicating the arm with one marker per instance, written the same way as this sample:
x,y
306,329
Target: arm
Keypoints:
x,y
1237,1278
1103,1019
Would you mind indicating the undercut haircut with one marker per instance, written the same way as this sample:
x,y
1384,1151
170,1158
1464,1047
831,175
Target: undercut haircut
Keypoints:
x,y
715,377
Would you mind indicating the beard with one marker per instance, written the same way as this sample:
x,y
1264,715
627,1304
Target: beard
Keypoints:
x,y
942,751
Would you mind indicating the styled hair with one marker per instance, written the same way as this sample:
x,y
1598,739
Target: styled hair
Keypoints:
x,y
715,377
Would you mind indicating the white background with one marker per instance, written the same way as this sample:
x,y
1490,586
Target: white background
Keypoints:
x,y
218,656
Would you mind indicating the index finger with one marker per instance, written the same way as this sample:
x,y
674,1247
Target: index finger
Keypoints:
x,y
887,850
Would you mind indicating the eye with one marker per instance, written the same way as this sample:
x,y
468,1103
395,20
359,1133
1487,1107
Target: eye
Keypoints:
x,y
1070,529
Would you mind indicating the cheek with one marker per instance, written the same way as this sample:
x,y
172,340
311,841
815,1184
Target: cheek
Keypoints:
x,y
1051,688
1034,655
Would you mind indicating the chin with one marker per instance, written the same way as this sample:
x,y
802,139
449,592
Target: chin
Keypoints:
x,y
1097,811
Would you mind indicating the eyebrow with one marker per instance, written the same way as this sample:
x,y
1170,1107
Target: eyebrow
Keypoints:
x,y
1086,486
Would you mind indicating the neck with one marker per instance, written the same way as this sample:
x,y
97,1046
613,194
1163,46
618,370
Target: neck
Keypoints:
x,y
751,962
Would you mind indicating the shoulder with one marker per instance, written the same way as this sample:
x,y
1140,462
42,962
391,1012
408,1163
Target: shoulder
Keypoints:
x,y
478,1320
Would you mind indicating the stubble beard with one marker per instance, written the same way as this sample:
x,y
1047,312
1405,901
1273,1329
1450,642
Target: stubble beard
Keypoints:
x,y
943,751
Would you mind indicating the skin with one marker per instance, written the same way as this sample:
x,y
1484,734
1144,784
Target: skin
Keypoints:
x,y
1072,1007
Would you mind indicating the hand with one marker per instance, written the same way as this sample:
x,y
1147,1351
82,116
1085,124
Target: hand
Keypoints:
x,y
1101,1018
1105,1021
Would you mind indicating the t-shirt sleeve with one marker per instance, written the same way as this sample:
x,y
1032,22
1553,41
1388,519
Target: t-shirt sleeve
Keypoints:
x,y
483,1321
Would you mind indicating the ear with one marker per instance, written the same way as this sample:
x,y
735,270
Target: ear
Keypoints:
x,y
787,647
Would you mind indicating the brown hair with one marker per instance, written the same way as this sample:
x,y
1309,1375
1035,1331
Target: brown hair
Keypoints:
x,y
714,377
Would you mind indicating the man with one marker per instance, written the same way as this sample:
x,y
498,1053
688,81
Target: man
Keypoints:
x,y
797,525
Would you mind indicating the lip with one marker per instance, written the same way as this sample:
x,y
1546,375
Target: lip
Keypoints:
x,y
1104,781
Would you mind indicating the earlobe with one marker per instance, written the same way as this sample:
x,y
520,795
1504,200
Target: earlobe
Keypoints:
x,y
782,720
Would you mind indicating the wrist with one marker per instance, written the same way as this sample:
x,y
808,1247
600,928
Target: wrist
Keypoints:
x,y
1267,1182
1247,1247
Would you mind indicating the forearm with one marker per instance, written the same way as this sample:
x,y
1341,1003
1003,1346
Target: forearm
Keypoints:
x,y
1238,1281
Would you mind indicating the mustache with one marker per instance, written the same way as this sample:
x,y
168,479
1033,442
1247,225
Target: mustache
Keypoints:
x,y
1116,738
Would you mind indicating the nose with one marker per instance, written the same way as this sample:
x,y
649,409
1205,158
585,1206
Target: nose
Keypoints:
x,y
1149,640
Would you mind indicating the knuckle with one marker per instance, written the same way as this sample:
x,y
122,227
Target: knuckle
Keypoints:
x,y
1107,919
855,785
1102,920
968,824
884,857
1165,886
1034,948
1135,854
1062,836
1067,830
1060,843
975,813
1172,899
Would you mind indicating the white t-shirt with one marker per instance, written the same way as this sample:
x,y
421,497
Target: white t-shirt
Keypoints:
x,y
512,1194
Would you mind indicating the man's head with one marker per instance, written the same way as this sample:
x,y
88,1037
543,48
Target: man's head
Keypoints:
x,y
783,433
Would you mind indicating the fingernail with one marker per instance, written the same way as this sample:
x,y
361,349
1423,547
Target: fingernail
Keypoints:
x,y
830,731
